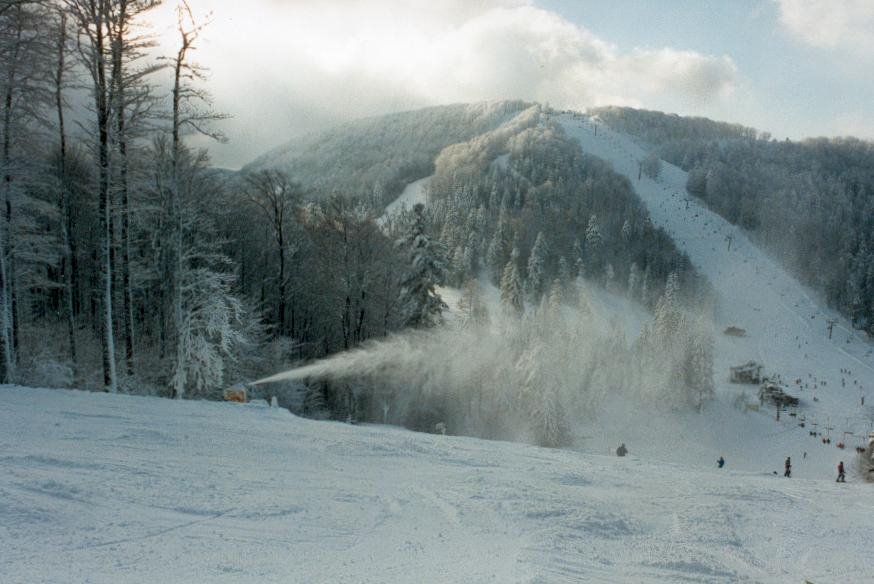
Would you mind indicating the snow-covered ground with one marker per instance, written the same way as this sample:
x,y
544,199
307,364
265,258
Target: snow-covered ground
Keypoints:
x,y
101,488
413,194
786,330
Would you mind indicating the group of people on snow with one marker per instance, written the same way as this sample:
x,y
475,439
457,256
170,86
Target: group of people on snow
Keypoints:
x,y
787,466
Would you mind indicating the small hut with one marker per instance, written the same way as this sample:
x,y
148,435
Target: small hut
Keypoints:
x,y
750,372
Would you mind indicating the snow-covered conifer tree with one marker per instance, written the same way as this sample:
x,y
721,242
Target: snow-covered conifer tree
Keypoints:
x,y
471,305
511,287
633,280
577,259
564,271
496,254
555,299
541,397
699,365
594,247
420,304
537,281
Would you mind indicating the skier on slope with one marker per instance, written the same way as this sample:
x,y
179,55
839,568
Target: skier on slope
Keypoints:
x,y
841,477
788,467
621,451
720,462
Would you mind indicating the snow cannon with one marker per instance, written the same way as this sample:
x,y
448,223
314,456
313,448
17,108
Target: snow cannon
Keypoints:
x,y
236,393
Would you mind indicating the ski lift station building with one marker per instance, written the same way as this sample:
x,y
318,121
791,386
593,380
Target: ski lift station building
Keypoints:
x,y
750,372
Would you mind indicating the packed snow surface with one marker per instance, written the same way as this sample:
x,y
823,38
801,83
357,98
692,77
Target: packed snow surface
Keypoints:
x,y
106,488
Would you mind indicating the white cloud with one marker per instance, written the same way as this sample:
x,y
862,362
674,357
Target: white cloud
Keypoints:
x,y
831,24
284,67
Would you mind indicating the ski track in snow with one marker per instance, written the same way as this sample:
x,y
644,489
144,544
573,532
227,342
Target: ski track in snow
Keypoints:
x,y
105,488
786,329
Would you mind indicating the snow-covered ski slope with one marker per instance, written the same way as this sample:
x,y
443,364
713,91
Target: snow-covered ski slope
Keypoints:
x,y
786,326
112,489
413,194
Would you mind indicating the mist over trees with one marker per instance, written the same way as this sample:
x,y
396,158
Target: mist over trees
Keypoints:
x,y
809,203
538,376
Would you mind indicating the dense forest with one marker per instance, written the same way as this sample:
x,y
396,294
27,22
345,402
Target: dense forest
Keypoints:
x,y
810,203
128,263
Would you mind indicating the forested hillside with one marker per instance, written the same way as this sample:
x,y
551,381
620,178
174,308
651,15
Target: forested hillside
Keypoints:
x,y
527,191
522,208
378,157
810,203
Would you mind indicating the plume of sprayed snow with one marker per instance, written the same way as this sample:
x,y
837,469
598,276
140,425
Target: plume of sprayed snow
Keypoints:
x,y
529,379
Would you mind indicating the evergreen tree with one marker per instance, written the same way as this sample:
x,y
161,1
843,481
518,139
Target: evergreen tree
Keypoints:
x,y
626,232
471,305
555,299
594,247
699,366
633,280
564,272
537,268
541,397
420,304
511,287
577,259
496,254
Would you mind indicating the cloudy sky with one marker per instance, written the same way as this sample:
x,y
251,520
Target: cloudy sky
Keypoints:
x,y
285,67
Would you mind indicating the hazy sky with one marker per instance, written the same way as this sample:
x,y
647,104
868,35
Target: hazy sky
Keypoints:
x,y
285,67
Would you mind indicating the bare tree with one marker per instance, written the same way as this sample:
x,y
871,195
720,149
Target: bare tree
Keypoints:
x,y
91,17
66,270
23,72
130,99
191,112
276,197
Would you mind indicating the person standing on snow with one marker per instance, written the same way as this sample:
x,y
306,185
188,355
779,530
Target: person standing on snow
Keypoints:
x,y
720,462
841,477
621,451
788,466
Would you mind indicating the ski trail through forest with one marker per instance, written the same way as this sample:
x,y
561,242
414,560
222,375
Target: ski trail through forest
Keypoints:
x,y
786,328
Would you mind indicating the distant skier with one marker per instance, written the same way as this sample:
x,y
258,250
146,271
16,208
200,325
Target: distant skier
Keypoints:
x,y
621,451
788,467
841,477
720,462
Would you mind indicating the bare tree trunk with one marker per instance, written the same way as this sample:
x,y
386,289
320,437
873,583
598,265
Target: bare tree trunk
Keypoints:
x,y
64,199
124,189
176,262
7,300
105,209
282,276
